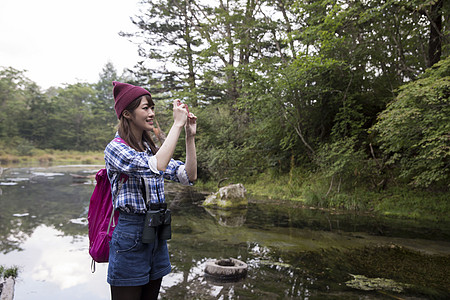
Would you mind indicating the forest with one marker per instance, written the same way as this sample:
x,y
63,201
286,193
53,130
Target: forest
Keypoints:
x,y
337,103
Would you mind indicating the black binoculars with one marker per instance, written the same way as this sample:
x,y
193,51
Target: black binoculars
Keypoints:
x,y
157,223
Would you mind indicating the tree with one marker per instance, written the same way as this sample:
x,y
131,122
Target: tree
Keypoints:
x,y
103,119
168,45
37,118
414,130
16,90
72,118
435,11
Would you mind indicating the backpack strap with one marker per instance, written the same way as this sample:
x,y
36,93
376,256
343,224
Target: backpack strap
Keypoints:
x,y
147,187
121,182
147,191
120,140
122,179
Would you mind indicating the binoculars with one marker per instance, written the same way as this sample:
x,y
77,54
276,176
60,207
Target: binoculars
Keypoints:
x,y
158,221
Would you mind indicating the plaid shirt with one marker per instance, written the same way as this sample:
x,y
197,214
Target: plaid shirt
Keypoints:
x,y
122,159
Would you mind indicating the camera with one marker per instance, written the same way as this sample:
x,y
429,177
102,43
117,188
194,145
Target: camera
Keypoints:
x,y
157,224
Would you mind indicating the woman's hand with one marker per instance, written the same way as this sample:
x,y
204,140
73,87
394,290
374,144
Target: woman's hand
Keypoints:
x,y
191,125
180,113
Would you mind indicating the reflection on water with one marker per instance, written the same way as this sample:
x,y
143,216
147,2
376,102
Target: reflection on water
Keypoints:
x,y
55,266
292,253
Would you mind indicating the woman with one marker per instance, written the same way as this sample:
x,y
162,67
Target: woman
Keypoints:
x,y
135,268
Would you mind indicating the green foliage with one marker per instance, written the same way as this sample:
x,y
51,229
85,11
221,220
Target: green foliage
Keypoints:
x,y
341,158
414,130
15,90
274,184
9,272
75,117
166,33
223,150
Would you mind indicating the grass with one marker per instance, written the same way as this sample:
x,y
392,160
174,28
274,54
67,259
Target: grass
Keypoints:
x,y
48,157
416,204
272,185
9,272
313,190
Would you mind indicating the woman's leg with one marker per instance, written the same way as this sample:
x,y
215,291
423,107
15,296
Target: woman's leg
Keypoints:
x,y
126,292
150,291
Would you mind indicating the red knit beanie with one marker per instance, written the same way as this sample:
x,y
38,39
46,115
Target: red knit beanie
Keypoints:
x,y
124,94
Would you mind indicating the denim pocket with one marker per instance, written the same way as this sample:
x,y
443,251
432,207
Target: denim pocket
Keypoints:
x,y
127,243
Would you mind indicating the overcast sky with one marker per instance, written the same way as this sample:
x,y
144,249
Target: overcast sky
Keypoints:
x,y
61,41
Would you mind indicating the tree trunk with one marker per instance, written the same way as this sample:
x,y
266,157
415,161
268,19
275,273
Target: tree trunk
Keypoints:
x,y
190,59
435,41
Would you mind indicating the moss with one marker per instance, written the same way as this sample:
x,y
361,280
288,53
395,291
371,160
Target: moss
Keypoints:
x,y
229,203
404,265
416,273
361,282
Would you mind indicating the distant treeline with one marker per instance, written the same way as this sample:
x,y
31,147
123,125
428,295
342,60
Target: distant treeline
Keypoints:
x,y
357,91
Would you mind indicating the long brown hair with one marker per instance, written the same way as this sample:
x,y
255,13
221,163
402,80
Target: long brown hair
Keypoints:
x,y
124,127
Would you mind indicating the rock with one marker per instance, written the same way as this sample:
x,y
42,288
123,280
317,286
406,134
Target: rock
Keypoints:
x,y
230,196
7,292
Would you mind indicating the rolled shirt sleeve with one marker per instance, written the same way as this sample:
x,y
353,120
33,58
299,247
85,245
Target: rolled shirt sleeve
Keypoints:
x,y
176,171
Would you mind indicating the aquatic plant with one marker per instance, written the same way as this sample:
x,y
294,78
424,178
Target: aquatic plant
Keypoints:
x,y
9,272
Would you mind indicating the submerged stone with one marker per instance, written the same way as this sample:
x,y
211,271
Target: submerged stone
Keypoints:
x,y
364,283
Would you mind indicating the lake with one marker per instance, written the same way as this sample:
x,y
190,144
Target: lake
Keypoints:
x,y
291,252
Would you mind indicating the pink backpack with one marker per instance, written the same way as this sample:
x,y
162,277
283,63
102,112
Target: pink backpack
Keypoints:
x,y
102,215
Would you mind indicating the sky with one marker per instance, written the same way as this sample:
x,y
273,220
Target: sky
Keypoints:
x,y
62,42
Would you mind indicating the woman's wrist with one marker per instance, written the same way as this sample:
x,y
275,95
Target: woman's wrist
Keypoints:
x,y
178,125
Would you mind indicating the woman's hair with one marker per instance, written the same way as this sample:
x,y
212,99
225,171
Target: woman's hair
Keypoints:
x,y
124,127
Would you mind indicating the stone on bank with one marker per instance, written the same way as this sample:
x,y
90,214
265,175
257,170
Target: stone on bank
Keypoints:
x,y
7,288
230,196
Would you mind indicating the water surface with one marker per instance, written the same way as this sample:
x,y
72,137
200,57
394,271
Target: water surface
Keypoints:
x,y
291,252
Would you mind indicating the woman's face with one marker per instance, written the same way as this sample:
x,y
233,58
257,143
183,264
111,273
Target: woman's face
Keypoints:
x,y
143,115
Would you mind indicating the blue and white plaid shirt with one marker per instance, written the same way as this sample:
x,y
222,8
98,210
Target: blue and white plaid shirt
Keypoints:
x,y
122,159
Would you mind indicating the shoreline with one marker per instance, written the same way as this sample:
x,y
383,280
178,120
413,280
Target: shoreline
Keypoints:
x,y
397,201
